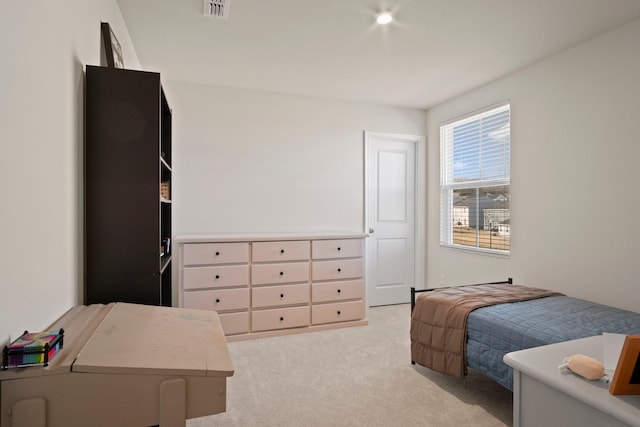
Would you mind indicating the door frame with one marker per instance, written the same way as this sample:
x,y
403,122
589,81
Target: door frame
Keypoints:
x,y
420,200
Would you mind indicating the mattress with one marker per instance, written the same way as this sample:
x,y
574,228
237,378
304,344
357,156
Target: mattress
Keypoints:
x,y
497,330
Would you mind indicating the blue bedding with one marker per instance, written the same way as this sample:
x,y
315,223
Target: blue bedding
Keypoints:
x,y
497,330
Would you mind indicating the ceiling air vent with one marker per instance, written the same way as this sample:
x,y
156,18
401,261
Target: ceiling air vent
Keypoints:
x,y
217,8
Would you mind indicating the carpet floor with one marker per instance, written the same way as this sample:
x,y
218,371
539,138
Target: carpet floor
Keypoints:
x,y
360,376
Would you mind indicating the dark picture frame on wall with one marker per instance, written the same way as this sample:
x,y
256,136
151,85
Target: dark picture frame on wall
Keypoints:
x,y
112,47
626,379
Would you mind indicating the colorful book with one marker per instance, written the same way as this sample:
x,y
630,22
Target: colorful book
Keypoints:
x,y
36,348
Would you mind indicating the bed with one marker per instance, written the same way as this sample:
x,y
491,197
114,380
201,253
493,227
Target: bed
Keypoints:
x,y
476,325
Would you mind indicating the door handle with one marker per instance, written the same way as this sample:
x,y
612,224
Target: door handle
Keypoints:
x,y
371,230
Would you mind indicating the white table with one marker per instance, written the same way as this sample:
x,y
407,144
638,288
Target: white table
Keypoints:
x,y
123,365
544,395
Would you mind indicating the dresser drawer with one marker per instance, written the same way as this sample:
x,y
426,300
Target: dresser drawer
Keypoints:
x,y
345,248
262,274
280,251
217,299
218,276
215,253
337,270
280,318
273,296
235,323
339,312
337,291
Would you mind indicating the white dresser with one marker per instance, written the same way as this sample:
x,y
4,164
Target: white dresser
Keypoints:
x,y
544,395
274,284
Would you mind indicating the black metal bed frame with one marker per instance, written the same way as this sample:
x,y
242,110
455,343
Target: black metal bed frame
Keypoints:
x,y
414,291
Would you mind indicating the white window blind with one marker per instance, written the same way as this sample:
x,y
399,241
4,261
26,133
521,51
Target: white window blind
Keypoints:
x,y
475,172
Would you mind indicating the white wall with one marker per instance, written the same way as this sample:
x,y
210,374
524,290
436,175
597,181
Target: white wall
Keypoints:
x,y
574,174
249,161
44,46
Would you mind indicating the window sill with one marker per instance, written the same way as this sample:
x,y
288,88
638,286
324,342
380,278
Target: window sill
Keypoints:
x,y
477,251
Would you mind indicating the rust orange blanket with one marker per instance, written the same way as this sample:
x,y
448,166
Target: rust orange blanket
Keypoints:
x,y
439,321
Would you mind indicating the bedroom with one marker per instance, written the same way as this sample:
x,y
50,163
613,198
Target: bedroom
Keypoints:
x,y
574,161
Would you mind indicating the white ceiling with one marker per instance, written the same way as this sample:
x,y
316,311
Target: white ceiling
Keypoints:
x,y
432,51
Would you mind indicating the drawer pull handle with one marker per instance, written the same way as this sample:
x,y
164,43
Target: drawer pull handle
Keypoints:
x,y
339,312
282,273
339,249
281,319
281,251
217,276
217,253
217,300
281,295
339,270
339,290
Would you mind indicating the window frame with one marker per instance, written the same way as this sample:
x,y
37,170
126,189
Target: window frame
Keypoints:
x,y
448,186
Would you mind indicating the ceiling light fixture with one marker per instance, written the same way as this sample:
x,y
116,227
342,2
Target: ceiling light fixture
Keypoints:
x,y
384,18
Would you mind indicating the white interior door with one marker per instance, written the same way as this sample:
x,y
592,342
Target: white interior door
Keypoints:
x,y
392,203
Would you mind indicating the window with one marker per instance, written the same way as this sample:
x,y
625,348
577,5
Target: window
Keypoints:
x,y
475,180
